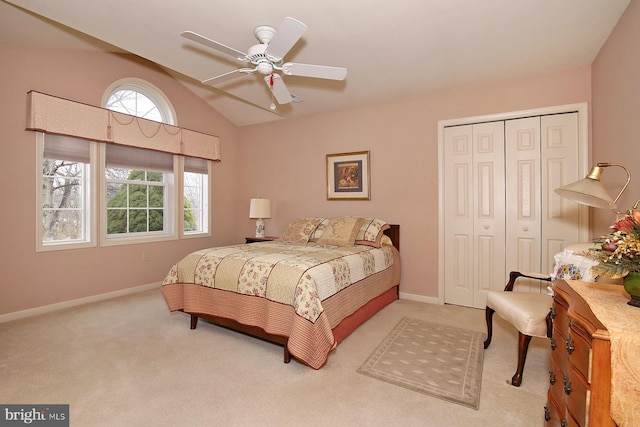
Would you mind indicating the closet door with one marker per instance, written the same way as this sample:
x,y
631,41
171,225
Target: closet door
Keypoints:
x,y
541,155
559,141
475,212
523,199
500,212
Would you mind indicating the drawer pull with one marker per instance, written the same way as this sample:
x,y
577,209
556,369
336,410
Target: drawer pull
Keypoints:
x,y
547,414
569,345
567,384
563,423
553,343
552,378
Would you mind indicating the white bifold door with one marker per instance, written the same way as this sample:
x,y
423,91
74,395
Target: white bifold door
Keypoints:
x,y
501,213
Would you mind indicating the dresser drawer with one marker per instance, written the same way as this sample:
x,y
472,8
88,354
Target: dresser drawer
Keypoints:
x,y
577,398
579,350
559,366
554,412
561,319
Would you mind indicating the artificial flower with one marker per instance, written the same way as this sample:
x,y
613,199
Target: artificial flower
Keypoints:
x,y
618,253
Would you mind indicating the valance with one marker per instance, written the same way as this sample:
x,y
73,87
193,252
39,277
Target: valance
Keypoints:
x,y
61,116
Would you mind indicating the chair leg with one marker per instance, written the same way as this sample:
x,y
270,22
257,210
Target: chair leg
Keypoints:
x,y
488,314
523,347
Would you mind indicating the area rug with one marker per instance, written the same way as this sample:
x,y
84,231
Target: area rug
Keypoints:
x,y
438,360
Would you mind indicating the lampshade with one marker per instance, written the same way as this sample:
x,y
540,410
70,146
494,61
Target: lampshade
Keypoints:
x,y
260,209
590,191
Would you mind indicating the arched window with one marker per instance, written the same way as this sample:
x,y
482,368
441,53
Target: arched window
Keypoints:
x,y
139,98
140,184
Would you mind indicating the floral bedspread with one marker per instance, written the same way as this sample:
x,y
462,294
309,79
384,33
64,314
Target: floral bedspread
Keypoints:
x,y
300,275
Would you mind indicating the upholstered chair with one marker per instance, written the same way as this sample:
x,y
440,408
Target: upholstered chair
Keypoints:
x,y
528,312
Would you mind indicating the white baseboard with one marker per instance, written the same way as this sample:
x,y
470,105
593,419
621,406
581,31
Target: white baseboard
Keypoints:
x,y
75,302
419,298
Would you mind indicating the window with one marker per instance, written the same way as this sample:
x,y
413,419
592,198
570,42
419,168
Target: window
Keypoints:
x,y
139,98
145,195
138,192
195,187
64,198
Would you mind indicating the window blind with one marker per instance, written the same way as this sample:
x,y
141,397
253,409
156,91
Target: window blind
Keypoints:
x,y
118,156
62,147
196,165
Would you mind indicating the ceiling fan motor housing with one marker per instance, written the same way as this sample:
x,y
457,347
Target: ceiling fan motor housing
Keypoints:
x,y
264,33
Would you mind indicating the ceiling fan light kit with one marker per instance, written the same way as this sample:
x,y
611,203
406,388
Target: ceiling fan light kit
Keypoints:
x,y
267,58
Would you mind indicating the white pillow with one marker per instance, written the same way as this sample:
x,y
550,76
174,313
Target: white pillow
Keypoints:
x,y
572,266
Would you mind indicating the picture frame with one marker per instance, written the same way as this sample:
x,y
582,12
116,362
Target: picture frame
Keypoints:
x,y
348,176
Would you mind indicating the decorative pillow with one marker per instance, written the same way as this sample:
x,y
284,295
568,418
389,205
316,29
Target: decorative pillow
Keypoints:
x,y
572,266
371,232
300,230
319,230
386,240
341,231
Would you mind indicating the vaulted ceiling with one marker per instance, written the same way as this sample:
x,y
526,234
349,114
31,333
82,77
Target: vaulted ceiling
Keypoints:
x,y
391,49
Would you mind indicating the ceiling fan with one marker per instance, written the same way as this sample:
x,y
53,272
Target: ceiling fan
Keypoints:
x,y
267,59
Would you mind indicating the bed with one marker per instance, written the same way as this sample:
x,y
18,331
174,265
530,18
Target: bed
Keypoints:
x,y
306,291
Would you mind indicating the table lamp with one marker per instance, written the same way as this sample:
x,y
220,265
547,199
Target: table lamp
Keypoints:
x,y
260,209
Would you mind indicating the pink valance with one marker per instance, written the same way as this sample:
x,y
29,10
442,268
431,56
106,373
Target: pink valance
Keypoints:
x,y
61,116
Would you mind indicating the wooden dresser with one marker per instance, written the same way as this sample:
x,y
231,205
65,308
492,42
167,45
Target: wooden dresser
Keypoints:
x,y
580,375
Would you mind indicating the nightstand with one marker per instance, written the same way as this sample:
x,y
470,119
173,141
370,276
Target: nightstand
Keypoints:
x,y
259,239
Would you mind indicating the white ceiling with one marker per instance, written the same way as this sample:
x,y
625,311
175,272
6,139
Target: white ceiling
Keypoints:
x,y
391,49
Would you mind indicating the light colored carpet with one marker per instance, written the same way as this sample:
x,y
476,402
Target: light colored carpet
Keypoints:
x,y
431,358
129,362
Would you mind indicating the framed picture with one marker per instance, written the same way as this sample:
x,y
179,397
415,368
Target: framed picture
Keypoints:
x,y
348,176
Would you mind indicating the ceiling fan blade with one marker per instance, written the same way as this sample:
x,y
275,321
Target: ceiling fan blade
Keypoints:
x,y
228,76
287,35
278,88
214,45
318,71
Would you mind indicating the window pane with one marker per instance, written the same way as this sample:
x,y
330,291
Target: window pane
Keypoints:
x,y
64,183
156,196
195,201
116,221
156,220
136,200
138,196
138,221
134,103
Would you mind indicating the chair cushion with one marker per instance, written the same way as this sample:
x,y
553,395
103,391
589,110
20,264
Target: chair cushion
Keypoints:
x,y
524,310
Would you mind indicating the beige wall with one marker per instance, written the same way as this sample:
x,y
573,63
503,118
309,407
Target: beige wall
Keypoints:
x,y
29,279
616,112
285,161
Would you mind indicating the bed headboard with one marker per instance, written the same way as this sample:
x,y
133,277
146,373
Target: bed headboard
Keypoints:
x,y
394,235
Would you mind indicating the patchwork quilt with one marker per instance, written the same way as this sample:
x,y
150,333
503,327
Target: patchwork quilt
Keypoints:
x,y
299,275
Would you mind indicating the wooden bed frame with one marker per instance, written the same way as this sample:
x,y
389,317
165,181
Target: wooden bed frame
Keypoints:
x,y
341,331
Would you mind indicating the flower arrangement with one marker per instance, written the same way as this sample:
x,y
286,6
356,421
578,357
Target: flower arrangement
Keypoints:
x,y
619,252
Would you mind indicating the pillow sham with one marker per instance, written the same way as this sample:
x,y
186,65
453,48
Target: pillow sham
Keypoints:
x,y
317,233
341,231
371,232
300,230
